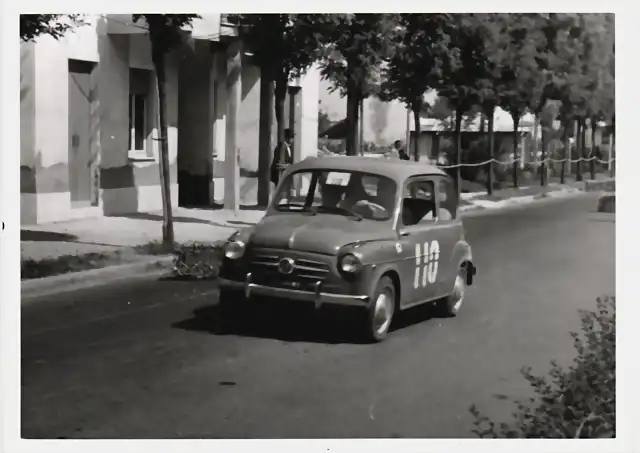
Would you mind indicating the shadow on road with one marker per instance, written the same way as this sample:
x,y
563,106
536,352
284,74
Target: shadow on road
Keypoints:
x,y
286,322
46,236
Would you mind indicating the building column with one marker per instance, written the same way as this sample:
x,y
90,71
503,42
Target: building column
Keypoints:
x,y
232,157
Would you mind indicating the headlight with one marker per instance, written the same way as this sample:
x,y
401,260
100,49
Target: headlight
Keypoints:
x,y
350,263
234,249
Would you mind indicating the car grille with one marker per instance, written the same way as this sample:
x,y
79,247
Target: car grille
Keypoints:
x,y
264,267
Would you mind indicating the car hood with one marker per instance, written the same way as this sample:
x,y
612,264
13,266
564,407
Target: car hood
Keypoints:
x,y
322,233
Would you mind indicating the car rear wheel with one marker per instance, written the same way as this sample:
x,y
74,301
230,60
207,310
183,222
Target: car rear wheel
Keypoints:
x,y
381,310
451,304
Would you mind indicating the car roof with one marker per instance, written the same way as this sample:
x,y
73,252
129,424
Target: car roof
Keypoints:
x,y
396,169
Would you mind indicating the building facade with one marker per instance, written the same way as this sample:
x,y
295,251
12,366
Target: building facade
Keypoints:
x,y
89,120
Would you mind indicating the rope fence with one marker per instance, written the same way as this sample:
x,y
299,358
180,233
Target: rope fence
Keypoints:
x,y
513,161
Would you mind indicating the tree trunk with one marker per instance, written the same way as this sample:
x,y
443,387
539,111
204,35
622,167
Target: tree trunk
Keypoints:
x,y
536,128
592,153
264,136
490,114
567,149
458,152
353,104
577,141
361,128
165,174
612,147
579,149
483,119
516,121
280,96
416,134
544,136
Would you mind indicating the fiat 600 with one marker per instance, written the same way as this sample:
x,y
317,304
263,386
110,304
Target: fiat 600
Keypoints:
x,y
383,235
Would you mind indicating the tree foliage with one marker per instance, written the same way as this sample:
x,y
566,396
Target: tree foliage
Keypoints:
x,y
54,25
421,46
356,47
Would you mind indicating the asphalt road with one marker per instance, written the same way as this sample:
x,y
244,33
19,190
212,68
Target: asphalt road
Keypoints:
x,y
150,359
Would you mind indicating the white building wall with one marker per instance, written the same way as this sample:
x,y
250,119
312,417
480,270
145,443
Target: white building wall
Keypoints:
x,y
49,157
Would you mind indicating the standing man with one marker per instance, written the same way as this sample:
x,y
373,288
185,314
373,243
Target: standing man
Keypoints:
x,y
401,151
282,156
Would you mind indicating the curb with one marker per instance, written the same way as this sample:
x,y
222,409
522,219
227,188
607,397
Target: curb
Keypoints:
x,y
607,203
39,287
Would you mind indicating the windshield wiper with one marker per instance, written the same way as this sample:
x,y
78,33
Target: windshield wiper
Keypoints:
x,y
338,210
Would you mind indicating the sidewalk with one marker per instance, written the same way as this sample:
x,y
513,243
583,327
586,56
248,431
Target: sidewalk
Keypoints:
x,y
109,234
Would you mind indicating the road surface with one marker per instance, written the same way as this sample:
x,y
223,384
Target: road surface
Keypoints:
x,y
149,359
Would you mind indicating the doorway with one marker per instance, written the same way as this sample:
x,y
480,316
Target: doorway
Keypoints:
x,y
83,124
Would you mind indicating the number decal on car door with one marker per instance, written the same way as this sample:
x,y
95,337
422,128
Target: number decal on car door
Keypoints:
x,y
426,264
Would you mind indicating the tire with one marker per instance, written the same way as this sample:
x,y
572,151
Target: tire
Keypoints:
x,y
450,305
381,310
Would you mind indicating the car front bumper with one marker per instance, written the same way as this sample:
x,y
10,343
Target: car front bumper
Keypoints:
x,y
317,297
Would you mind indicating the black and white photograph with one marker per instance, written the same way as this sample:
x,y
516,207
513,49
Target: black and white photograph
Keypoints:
x,y
314,225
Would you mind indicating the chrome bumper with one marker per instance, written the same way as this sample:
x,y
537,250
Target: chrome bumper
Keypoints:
x,y
318,297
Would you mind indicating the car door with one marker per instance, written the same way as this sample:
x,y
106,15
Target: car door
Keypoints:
x,y
421,236
449,231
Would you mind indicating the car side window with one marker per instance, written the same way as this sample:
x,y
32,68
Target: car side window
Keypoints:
x,y
418,203
447,200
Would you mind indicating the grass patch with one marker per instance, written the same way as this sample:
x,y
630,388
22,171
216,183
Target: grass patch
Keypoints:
x,y
65,264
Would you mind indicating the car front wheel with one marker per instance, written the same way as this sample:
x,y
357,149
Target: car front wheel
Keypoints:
x,y
381,310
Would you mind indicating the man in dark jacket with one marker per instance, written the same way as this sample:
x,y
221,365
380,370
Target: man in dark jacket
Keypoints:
x,y
282,156
401,151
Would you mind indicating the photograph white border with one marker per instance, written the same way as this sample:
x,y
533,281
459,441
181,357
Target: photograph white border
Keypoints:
x,y
626,226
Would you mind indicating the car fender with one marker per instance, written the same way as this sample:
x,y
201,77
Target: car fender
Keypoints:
x,y
378,257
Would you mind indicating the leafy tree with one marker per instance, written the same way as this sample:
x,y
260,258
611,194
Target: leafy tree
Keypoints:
x,y
165,34
460,85
284,47
421,55
55,25
442,111
519,84
558,57
598,73
356,46
490,29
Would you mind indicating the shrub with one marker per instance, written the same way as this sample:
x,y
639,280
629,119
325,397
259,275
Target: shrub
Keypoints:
x,y
578,402
197,260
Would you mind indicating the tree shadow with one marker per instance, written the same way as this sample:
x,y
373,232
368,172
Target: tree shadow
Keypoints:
x,y
46,236
220,207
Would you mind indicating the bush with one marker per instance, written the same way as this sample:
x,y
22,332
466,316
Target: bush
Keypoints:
x,y
197,260
578,402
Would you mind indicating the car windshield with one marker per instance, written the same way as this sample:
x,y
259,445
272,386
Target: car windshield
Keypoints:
x,y
348,193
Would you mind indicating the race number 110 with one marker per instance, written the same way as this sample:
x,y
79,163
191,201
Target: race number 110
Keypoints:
x,y
426,264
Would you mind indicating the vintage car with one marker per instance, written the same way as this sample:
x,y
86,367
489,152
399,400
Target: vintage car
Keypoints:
x,y
382,235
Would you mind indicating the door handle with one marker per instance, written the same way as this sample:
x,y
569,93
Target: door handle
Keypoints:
x,y
405,233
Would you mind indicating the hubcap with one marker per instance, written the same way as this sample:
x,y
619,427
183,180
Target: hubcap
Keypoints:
x,y
383,312
458,291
